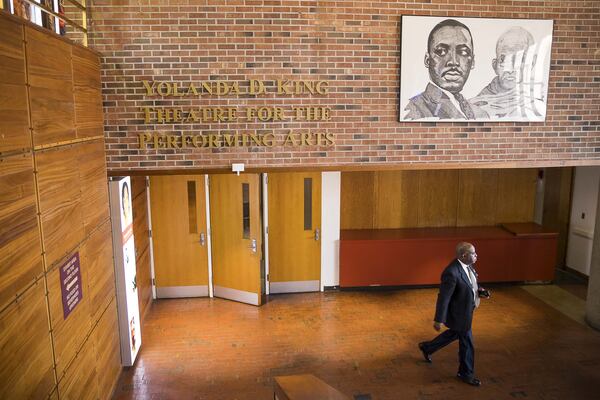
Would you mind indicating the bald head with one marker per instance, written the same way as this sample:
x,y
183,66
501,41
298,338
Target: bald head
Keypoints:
x,y
514,55
513,40
465,252
462,248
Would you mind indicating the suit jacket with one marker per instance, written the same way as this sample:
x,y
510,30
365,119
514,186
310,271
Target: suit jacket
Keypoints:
x,y
455,303
433,103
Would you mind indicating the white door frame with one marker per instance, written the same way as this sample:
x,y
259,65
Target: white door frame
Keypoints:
x,y
265,211
150,239
211,291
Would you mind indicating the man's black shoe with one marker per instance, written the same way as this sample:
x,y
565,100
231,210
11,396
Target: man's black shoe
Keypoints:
x,y
426,355
469,380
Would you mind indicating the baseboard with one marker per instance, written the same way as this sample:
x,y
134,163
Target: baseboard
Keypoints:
x,y
576,273
294,287
176,292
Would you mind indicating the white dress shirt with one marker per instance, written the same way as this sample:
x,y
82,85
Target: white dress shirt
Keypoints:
x,y
472,280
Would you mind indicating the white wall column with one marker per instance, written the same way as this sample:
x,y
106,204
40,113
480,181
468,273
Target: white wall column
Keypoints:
x,y
583,219
592,306
330,228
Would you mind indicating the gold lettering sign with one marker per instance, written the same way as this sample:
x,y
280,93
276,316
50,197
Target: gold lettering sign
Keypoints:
x,y
166,115
254,113
224,88
233,139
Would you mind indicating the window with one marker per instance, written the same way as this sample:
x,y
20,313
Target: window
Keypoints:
x,y
308,204
246,210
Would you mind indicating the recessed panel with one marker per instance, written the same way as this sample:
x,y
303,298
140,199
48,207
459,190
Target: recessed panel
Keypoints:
x,y
94,184
68,333
106,345
87,93
81,378
516,195
20,250
97,259
438,198
24,336
477,197
60,201
357,200
396,194
51,88
14,118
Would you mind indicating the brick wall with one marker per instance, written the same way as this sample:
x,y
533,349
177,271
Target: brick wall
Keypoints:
x,y
354,46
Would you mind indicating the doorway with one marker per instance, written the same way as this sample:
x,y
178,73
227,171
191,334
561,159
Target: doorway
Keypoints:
x,y
294,207
181,250
209,240
238,270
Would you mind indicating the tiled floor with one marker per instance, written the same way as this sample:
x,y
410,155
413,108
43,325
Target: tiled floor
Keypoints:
x,y
560,299
363,343
571,282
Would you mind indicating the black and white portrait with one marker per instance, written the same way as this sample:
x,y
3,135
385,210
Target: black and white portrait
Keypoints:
x,y
474,69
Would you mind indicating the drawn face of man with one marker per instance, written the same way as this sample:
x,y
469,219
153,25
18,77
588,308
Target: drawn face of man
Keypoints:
x,y
513,62
450,58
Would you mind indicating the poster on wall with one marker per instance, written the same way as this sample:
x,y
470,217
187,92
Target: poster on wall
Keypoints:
x,y
125,269
70,284
481,69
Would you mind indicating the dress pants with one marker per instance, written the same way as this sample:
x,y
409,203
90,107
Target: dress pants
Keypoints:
x,y
466,351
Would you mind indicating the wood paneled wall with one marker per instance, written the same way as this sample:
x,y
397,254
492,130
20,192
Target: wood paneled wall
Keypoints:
x,y
142,243
557,206
435,198
53,203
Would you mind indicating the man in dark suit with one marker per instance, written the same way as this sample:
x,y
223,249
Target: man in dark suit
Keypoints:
x,y
449,59
458,298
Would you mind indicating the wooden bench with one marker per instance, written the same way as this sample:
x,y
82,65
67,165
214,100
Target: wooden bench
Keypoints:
x,y
305,387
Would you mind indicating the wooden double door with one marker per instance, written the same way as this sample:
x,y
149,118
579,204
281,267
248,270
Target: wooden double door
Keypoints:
x,y
183,242
213,244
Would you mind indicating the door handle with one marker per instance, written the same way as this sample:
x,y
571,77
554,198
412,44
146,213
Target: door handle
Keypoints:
x,y
202,239
317,234
253,245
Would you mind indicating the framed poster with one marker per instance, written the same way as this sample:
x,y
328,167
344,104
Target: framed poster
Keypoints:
x,y
481,69
125,269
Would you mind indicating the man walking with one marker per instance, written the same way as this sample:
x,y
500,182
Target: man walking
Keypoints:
x,y
458,297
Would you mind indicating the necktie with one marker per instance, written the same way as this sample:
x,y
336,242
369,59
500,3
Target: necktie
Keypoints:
x,y
464,105
473,279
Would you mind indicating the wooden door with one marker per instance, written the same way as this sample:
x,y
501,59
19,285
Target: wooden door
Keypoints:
x,y
294,232
236,237
178,206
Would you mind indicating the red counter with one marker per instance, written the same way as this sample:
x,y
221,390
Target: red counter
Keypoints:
x,y
417,256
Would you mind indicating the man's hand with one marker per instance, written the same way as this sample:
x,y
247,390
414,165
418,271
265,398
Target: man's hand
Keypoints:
x,y
437,325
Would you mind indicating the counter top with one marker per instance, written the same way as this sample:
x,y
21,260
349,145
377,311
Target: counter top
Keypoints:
x,y
462,233
528,229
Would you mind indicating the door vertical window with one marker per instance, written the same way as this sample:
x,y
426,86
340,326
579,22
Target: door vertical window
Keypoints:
x,y
246,210
307,204
192,207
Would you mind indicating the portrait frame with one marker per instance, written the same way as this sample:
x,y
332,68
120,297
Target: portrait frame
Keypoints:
x,y
495,70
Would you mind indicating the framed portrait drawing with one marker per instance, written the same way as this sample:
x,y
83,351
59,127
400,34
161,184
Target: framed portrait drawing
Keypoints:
x,y
480,69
